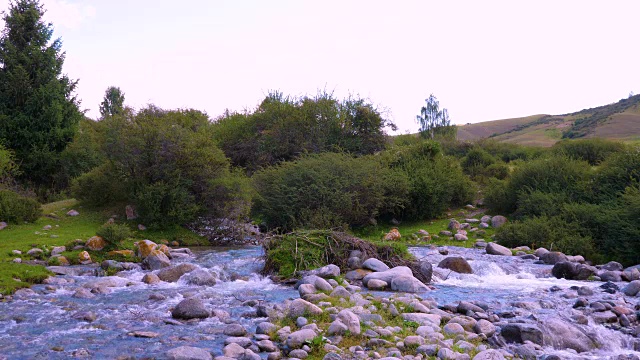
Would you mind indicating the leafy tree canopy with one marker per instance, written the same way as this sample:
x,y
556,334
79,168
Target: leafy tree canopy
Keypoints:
x,y
435,121
113,103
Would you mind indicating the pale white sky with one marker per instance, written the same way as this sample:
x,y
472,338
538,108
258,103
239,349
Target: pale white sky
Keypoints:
x,y
484,60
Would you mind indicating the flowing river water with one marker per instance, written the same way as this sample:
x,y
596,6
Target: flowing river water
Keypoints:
x,y
53,324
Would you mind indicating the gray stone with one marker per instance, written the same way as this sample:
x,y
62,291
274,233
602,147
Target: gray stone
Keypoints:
x,y
554,257
354,262
631,274
374,264
191,308
200,277
484,327
489,355
376,284
414,340
632,288
429,350
340,292
465,321
188,353
150,279
496,249
612,266
460,237
83,293
298,354
498,220
465,306
457,264
267,345
332,356
35,252
519,333
485,219
243,341
265,328
300,307
453,225
328,271
301,321
235,330
610,275
423,319
57,250
540,251
306,289
337,327
388,275
453,329
572,271
296,339
426,270
408,284
156,261
233,351
351,320
174,273
357,274
563,335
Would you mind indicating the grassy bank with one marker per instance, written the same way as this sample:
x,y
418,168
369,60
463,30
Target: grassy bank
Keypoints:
x,y
64,231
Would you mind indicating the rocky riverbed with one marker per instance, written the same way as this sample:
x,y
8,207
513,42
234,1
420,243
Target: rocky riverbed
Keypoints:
x,y
214,303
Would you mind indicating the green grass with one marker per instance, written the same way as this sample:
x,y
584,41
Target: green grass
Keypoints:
x,y
65,230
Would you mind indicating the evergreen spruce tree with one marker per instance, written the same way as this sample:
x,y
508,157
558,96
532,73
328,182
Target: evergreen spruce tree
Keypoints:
x,y
38,111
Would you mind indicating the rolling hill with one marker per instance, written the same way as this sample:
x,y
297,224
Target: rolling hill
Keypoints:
x,y
619,121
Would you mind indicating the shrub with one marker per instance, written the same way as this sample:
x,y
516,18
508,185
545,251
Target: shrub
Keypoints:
x,y
114,234
326,190
617,173
16,209
552,233
161,204
593,151
101,186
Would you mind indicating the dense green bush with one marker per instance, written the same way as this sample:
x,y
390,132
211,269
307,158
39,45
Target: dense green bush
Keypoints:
x,y
593,151
617,173
114,234
327,190
283,128
15,208
101,186
557,174
166,163
552,233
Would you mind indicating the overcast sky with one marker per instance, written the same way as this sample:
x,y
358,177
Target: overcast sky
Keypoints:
x,y
484,60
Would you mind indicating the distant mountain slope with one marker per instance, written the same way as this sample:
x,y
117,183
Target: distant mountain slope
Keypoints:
x,y
620,121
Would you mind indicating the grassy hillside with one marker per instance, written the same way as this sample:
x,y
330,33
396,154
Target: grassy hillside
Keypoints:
x,y
618,121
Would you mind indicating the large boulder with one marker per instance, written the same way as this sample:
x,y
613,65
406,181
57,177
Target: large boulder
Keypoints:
x,y
632,289
145,247
156,260
388,275
495,249
351,320
563,335
457,264
408,284
173,273
200,277
426,270
553,257
572,271
191,308
298,338
374,264
95,243
188,353
519,333
300,307
498,220
612,266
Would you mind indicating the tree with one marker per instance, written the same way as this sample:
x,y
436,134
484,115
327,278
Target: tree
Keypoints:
x,y
434,121
113,103
38,111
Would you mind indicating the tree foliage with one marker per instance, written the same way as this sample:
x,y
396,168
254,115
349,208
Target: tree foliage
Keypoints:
x,y
38,111
113,102
434,121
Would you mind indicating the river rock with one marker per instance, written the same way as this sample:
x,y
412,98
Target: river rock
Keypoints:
x,y
611,275
351,320
265,328
243,341
423,319
485,219
454,225
150,279
72,213
233,351
173,273
298,354
35,252
374,264
83,293
554,257
200,277
84,258
300,307
191,308
631,274
572,271
357,274
329,271
426,270
145,247
57,250
563,335
498,220
489,355
465,306
388,275
632,288
95,243
496,249
188,353
540,251
306,289
298,338
519,333
234,330
340,292
3,225
408,284
457,264
453,329
612,266
337,327
484,327
460,237
446,233
156,260
376,284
